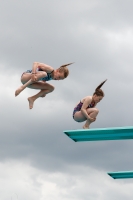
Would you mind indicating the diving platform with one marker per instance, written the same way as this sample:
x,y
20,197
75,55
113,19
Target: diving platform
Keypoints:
x,y
121,174
100,134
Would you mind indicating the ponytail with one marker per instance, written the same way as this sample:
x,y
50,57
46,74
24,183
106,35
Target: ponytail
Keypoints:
x,y
66,65
98,91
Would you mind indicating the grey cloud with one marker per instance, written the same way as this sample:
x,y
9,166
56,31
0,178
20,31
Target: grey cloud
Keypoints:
x,y
98,38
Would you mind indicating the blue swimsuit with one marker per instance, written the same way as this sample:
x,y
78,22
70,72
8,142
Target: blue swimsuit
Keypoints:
x,y
46,78
79,106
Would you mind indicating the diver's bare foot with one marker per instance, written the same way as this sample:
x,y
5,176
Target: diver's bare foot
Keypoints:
x,y
86,127
31,102
19,90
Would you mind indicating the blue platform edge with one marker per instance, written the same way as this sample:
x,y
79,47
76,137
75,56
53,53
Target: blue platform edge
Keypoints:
x,y
112,133
121,174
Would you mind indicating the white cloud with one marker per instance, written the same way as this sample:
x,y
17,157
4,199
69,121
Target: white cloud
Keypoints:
x,y
19,180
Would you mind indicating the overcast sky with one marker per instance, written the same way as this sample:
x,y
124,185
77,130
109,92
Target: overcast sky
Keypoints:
x,y
37,160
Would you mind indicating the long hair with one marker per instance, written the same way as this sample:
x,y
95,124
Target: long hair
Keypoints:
x,y
98,91
64,69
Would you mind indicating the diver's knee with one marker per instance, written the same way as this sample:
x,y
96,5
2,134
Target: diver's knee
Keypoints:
x,y
51,89
96,110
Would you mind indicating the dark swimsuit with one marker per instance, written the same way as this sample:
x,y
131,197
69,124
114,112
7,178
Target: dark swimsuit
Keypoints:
x,y
79,106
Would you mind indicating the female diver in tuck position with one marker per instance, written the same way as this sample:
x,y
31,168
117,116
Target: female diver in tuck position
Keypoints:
x,y
37,77
85,110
